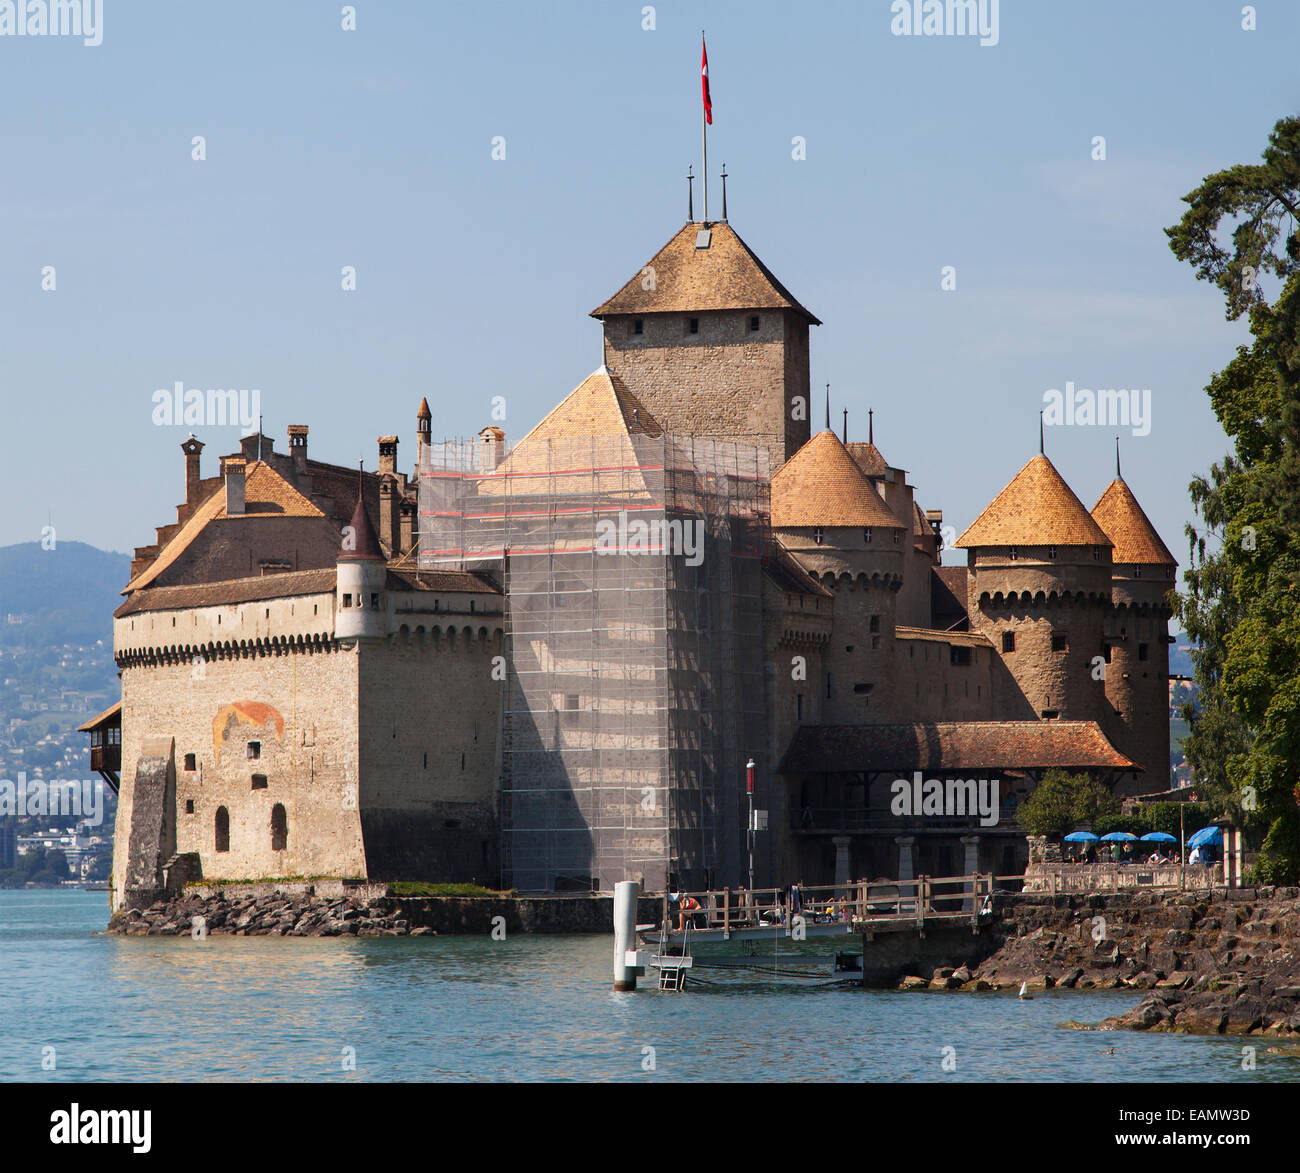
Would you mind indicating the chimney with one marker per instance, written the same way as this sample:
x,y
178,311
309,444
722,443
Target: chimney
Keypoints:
x,y
192,448
298,447
492,448
407,525
388,455
388,520
233,469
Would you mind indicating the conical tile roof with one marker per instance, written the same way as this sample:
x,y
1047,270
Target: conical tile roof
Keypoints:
x,y
724,276
1036,509
1135,538
821,484
363,545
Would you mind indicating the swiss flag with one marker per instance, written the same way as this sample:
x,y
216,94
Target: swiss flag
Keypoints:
x,y
704,84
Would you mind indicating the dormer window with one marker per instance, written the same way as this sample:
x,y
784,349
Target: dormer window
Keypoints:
x,y
818,535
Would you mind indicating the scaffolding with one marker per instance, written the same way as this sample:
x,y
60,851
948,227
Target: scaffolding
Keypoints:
x,y
634,675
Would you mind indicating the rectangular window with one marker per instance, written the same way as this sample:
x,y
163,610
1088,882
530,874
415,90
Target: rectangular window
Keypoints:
x,y
875,623
1051,714
254,750
960,657
1008,641
1144,651
863,689
1059,642
875,642
692,325
347,600
798,706
374,601
818,535
259,781
189,806
753,324
866,535
898,536
638,326
828,686
191,763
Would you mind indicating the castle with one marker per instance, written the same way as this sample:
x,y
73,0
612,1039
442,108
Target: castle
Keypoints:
x,y
558,663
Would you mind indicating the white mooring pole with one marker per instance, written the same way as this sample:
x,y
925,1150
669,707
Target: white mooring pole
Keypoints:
x,y
625,900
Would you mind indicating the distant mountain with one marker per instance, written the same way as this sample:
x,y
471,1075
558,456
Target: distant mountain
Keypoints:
x,y
62,596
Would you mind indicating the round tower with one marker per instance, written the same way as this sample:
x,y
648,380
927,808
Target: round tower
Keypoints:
x,y
360,600
1039,589
829,516
1137,632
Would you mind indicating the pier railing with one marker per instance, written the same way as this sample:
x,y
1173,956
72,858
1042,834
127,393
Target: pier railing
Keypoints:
x,y
922,898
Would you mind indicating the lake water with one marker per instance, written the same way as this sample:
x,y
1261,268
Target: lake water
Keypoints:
x,y
529,1008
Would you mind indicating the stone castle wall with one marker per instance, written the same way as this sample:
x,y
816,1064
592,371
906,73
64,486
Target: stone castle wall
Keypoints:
x,y
726,382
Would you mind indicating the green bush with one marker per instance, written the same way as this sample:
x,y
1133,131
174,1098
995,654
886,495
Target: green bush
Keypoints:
x,y
419,888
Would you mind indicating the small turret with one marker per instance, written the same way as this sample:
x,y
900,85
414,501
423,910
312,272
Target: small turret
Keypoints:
x,y
361,601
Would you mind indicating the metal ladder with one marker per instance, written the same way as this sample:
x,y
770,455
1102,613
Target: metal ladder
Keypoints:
x,y
673,977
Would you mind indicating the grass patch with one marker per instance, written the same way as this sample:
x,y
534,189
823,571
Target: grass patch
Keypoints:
x,y
420,888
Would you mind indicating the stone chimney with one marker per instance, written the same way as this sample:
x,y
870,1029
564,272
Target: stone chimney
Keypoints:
x,y
298,447
388,455
406,524
192,448
492,448
389,501
233,469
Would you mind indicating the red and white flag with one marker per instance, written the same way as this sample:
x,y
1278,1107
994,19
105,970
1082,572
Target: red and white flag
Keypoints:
x,y
704,84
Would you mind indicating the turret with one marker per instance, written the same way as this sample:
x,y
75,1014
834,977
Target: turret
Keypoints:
x,y
361,601
1039,588
1137,633
827,514
423,434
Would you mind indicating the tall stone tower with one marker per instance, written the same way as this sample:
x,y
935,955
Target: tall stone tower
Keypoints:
x,y
829,516
1039,588
712,343
1137,632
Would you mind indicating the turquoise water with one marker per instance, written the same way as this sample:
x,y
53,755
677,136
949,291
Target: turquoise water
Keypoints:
x,y
529,1008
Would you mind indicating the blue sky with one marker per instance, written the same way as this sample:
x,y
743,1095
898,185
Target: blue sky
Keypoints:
x,y
372,148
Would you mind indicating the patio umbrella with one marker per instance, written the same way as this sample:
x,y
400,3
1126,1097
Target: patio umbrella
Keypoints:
x,y
1081,837
1159,837
1119,837
1206,835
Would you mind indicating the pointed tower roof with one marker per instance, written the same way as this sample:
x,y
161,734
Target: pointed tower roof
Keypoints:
x,y
424,413
1128,527
365,544
868,457
600,410
821,484
1036,509
725,275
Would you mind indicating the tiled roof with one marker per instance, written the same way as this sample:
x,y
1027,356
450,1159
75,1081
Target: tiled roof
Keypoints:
x,y
586,438
266,494
868,458
920,527
821,484
724,276
110,716
364,545
1135,538
953,745
298,582
965,639
1036,509
948,597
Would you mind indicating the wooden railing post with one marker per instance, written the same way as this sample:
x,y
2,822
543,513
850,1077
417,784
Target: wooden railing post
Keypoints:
x,y
726,912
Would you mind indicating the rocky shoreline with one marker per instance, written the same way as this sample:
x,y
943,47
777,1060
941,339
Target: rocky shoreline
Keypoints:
x,y
1224,962
270,915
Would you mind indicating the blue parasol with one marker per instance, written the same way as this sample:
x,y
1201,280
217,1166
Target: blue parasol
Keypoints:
x,y
1206,835
1119,837
1159,837
1081,837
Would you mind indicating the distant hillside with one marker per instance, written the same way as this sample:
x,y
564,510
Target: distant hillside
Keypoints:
x,y
62,596
1180,661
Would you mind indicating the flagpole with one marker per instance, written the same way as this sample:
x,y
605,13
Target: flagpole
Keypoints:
x,y
704,136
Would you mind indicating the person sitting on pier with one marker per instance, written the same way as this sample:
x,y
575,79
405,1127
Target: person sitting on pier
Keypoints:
x,y
686,904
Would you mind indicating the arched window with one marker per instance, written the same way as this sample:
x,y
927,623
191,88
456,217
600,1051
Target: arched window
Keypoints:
x,y
223,829
279,827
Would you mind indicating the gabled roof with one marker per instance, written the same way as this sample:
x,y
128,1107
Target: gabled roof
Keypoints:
x,y
266,494
1036,509
1136,540
785,572
725,276
586,437
110,717
953,745
821,484
868,457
